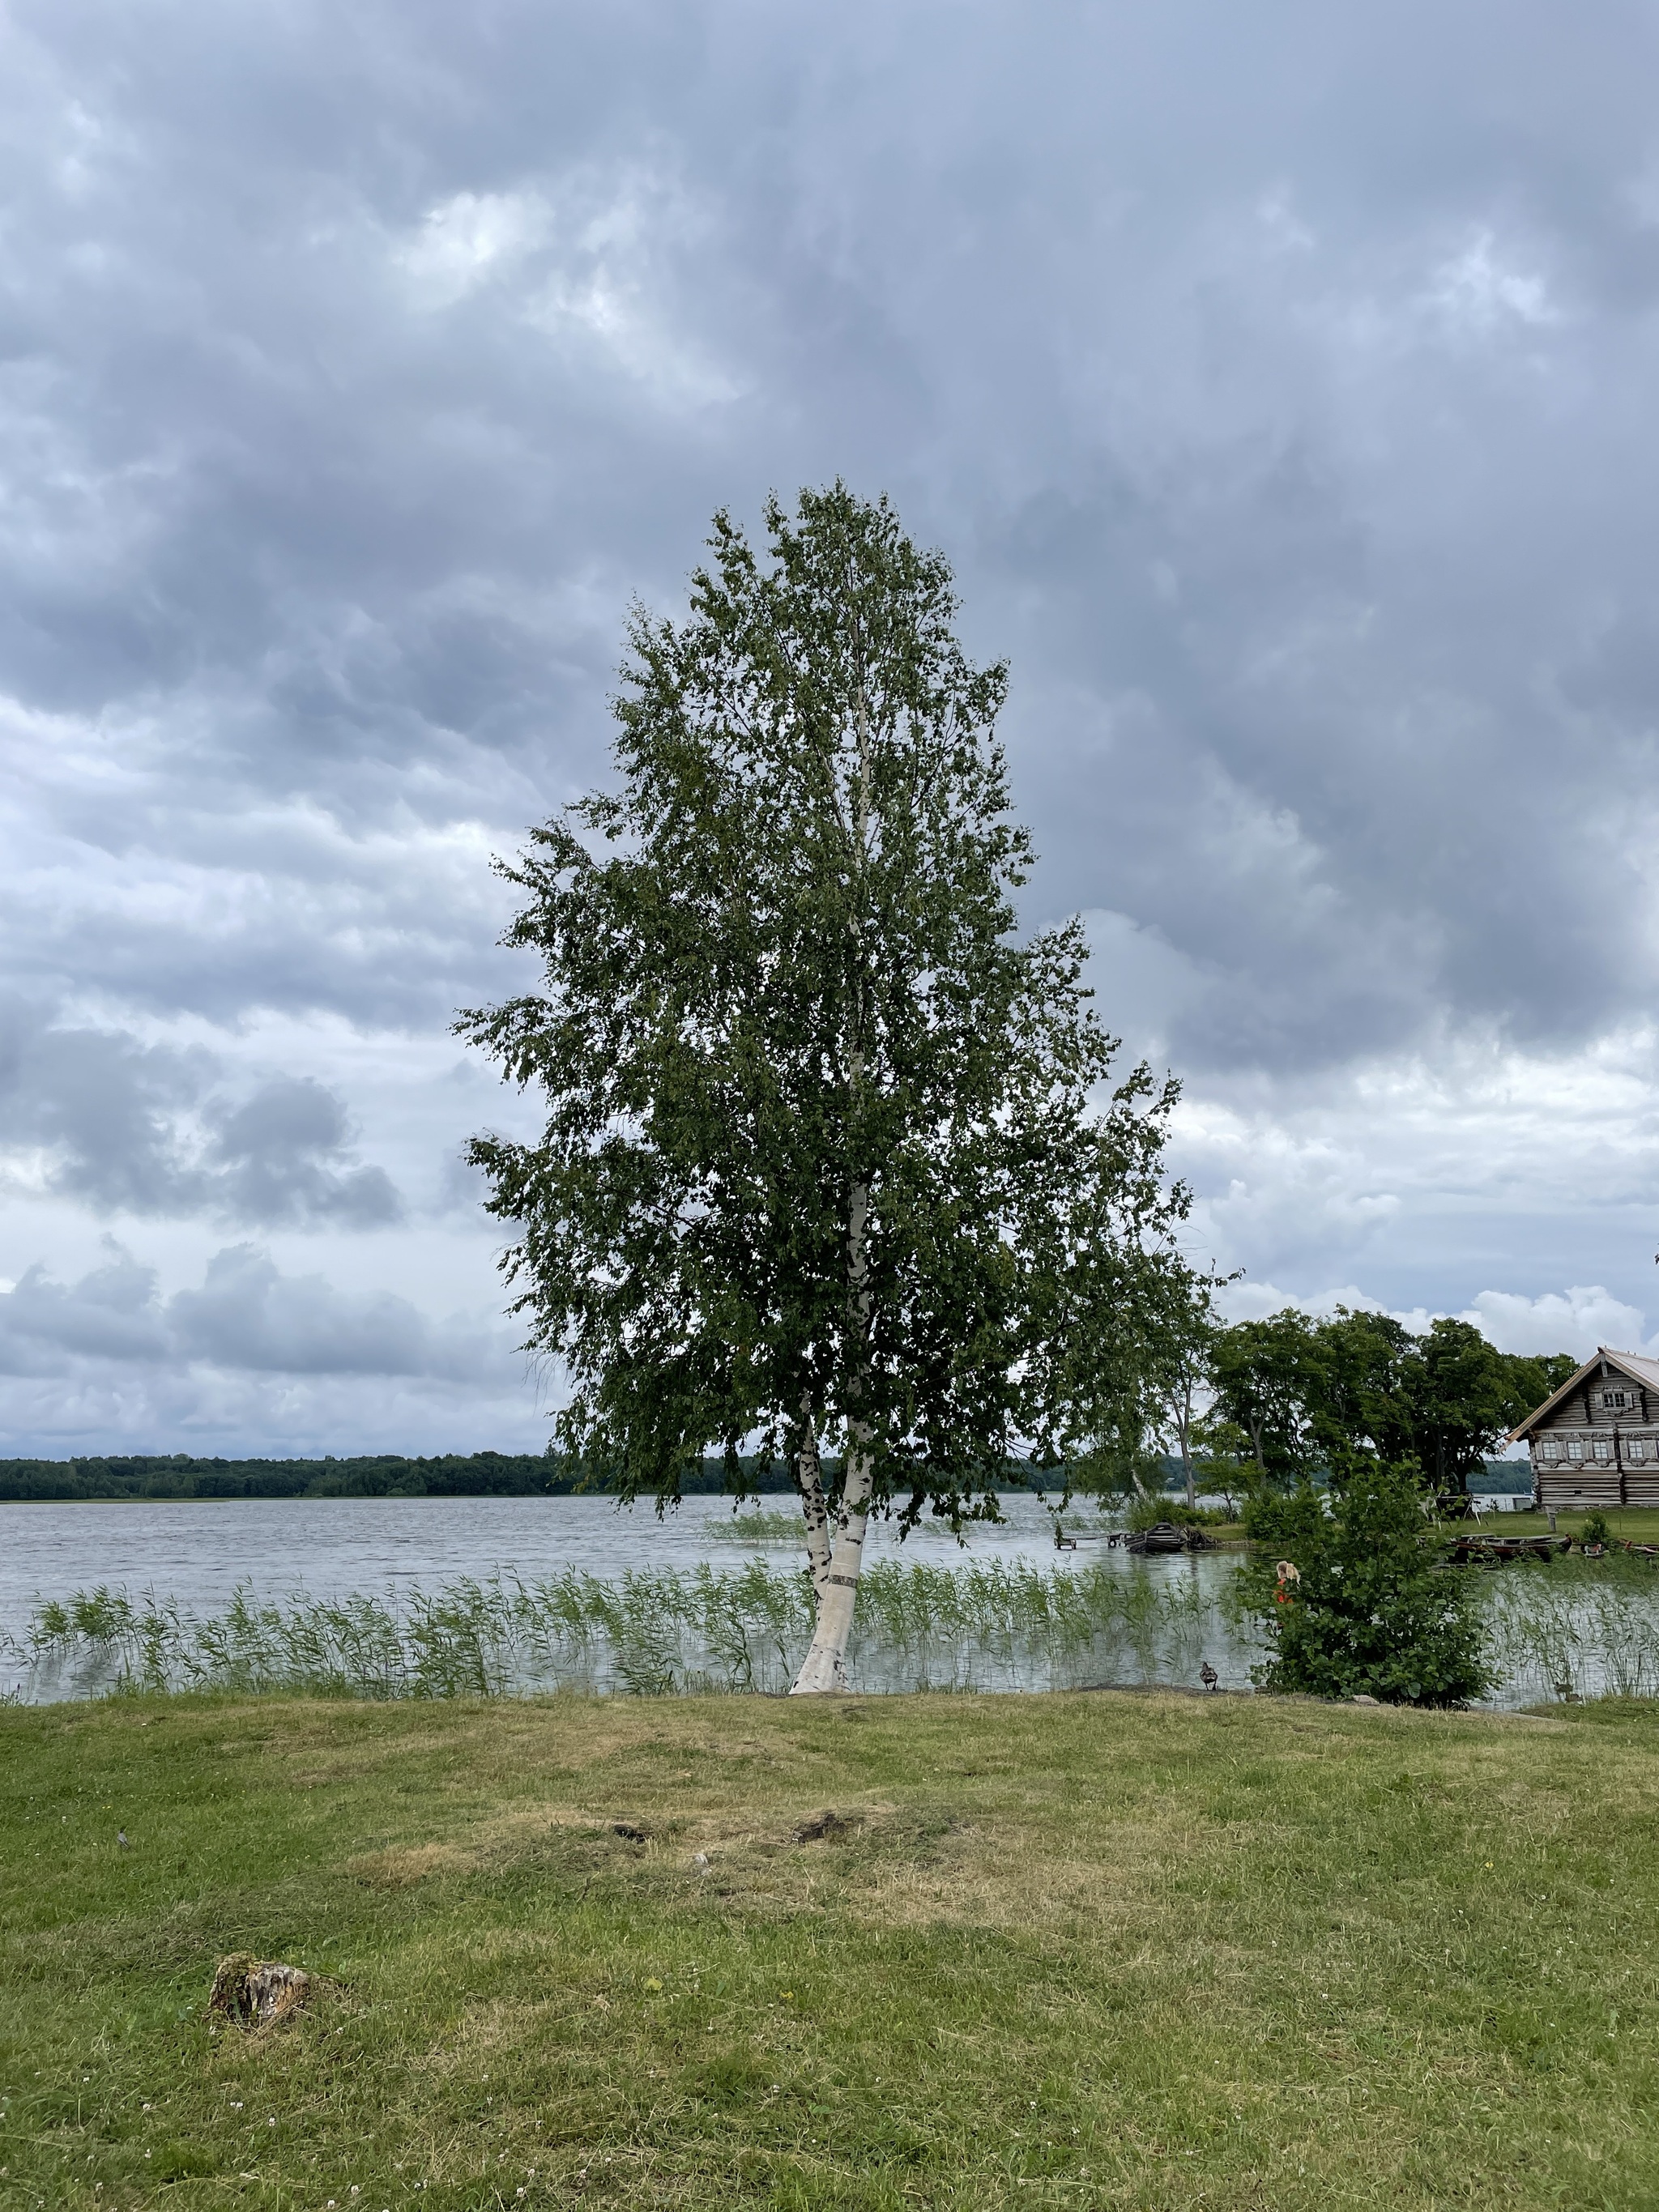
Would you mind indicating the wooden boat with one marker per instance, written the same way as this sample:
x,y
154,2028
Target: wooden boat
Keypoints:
x,y
1478,1549
1167,1537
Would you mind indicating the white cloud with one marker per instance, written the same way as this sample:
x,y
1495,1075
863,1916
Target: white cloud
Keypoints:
x,y
1576,1320
469,238
1480,291
591,259
1475,1172
1282,225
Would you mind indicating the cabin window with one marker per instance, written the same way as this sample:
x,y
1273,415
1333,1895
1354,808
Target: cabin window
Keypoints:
x,y
1618,1399
1635,1451
1604,1450
1575,1448
1550,1450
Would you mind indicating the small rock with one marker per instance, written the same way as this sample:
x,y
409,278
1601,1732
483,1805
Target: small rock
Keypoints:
x,y
253,1992
629,1832
700,1860
1362,1700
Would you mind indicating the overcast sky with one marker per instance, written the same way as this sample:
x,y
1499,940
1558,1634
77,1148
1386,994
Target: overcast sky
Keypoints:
x,y
1280,381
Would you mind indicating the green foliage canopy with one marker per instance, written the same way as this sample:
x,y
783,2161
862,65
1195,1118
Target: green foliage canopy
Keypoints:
x,y
1305,1398
824,1160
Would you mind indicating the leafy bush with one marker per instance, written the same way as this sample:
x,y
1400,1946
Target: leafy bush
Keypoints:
x,y
1596,1529
1372,1614
1148,1512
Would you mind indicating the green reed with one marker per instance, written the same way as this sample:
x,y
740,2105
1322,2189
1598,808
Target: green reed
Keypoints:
x,y
758,1527
1573,1629
651,1632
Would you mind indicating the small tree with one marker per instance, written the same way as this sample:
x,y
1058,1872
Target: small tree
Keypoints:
x,y
1223,1462
1184,1338
823,1166
1266,1379
1369,1612
1137,1382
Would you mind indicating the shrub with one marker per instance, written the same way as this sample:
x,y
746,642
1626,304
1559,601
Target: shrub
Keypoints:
x,y
1372,1613
1596,1529
1148,1512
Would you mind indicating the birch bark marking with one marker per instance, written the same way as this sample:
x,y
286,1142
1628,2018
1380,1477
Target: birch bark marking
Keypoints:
x,y
808,1481
824,1667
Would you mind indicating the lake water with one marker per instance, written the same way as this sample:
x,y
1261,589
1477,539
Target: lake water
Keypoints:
x,y
194,1556
196,1551
440,1595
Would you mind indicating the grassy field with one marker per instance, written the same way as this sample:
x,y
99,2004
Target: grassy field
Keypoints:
x,y
1147,1951
1633,1524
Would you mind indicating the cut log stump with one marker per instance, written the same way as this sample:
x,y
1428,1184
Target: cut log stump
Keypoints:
x,y
255,1992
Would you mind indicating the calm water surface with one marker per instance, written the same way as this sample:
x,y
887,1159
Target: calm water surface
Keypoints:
x,y
196,1551
196,1554
1568,1630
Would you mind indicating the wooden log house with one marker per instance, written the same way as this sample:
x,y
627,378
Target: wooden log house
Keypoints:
x,y
1596,1441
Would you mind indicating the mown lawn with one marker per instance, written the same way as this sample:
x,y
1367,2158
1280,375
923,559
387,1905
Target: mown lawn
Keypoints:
x,y
1632,1525
1069,1950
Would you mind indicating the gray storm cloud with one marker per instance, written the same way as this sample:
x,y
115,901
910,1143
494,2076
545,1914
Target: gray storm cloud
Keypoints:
x,y
126,1127
245,1314
1277,381
250,1356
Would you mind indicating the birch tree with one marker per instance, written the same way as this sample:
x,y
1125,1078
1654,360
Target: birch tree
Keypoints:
x,y
835,1168
1182,1350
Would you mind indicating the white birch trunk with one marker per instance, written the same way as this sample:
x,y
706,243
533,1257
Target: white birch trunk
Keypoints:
x,y
824,1667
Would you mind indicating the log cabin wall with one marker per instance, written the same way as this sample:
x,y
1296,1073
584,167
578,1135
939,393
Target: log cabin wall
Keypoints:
x,y
1613,1423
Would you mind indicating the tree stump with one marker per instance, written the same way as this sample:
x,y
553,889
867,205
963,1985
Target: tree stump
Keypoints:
x,y
255,1992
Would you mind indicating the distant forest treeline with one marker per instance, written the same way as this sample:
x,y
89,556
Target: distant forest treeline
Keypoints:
x,y
472,1474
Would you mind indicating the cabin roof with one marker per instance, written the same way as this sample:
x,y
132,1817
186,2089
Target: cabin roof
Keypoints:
x,y
1633,1364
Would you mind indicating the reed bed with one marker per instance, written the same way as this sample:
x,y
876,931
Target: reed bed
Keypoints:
x,y
653,1632
1573,1630
1569,1631
758,1527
